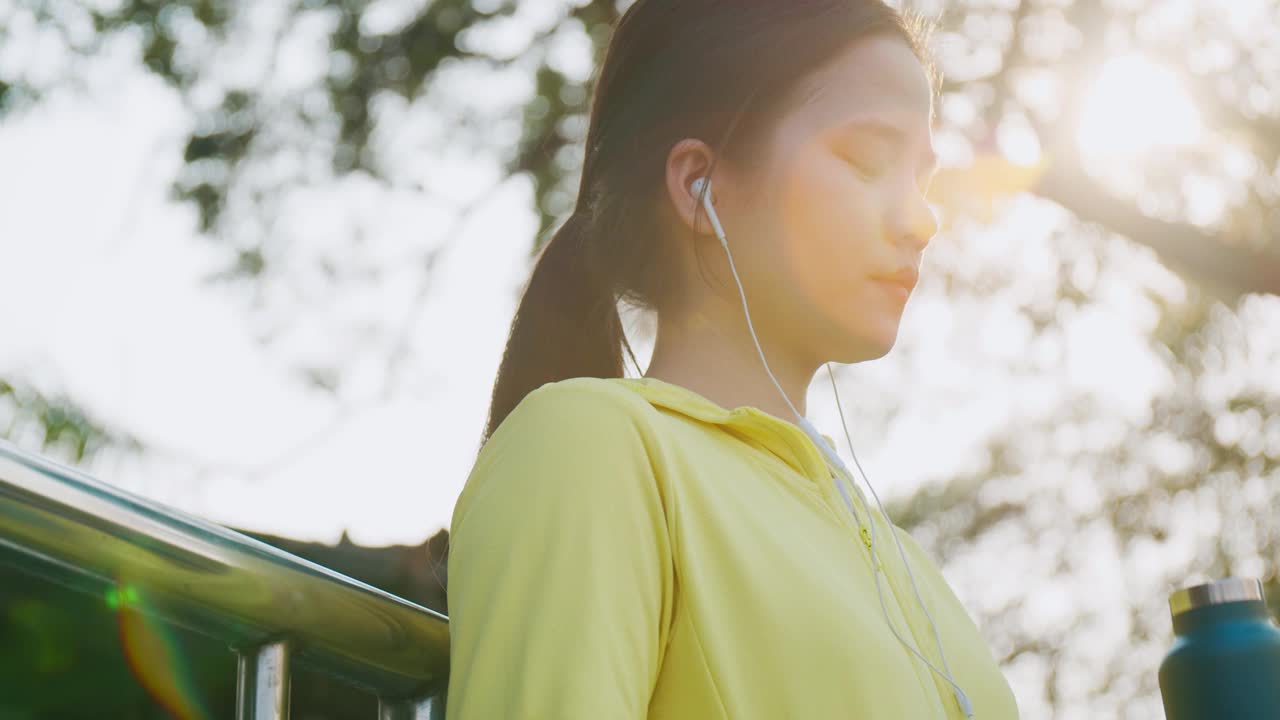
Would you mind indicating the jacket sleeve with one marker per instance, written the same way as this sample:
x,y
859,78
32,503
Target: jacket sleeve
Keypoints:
x,y
560,568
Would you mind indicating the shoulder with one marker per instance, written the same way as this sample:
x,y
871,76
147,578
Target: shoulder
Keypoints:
x,y
576,441
583,404
580,421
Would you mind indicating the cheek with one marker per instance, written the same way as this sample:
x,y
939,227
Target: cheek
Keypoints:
x,y
828,229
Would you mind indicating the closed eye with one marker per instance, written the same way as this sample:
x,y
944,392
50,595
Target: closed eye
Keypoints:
x,y
866,169
870,161
874,147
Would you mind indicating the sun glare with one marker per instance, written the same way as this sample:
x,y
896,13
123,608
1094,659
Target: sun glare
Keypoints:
x,y
1135,106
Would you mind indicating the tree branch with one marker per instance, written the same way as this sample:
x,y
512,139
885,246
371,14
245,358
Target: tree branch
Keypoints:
x,y
1228,268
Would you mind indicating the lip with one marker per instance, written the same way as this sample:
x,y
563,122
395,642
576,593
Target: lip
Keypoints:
x,y
902,292
903,281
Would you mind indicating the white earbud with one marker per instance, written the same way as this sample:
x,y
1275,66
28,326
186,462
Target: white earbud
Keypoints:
x,y
696,188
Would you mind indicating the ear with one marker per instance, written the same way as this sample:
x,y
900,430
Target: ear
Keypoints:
x,y
689,160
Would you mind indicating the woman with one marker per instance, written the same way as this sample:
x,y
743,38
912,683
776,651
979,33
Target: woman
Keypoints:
x,y
681,545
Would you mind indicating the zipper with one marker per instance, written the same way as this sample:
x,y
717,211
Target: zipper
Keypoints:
x,y
853,520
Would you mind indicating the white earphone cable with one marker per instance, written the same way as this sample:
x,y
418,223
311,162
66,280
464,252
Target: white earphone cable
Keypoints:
x,y
961,697
701,187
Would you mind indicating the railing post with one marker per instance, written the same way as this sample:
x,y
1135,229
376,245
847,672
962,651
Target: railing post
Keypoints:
x,y
429,708
262,685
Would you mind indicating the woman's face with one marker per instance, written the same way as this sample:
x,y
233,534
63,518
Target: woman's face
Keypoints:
x,y
834,218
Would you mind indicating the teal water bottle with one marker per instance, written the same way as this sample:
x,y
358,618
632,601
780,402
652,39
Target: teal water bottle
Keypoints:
x,y
1225,660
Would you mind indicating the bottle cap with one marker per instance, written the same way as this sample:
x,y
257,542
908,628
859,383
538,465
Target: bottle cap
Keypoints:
x,y
1215,593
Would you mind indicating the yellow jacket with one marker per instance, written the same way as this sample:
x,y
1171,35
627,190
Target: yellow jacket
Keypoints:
x,y
625,548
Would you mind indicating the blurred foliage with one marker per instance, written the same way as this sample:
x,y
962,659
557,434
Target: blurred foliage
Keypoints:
x,y
55,426
61,657
1078,501
1071,498
1004,63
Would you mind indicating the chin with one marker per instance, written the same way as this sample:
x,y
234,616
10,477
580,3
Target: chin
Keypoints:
x,y
862,348
860,337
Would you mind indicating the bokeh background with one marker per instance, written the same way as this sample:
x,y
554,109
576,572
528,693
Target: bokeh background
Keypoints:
x,y
258,259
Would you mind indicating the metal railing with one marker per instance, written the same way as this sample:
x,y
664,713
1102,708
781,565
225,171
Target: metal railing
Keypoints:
x,y
275,609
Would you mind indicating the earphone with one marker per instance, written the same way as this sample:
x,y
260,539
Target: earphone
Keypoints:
x,y
701,188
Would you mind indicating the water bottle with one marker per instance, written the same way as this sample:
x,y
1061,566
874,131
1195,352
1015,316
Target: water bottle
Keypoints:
x,y
1225,660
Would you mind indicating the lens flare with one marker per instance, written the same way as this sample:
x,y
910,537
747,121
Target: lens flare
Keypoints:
x,y
154,655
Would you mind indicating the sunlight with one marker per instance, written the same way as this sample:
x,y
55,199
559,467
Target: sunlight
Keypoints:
x,y
1134,106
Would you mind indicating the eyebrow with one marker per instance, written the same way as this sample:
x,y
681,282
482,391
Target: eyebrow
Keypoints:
x,y
890,131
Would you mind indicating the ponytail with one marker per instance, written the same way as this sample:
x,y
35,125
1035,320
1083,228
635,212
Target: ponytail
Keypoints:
x,y
665,76
567,324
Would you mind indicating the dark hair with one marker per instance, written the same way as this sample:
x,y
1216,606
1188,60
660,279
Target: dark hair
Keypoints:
x,y
673,69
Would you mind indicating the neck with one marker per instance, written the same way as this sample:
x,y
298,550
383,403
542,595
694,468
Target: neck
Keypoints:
x,y
716,358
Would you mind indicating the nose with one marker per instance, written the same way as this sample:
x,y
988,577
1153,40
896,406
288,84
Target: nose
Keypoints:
x,y
911,221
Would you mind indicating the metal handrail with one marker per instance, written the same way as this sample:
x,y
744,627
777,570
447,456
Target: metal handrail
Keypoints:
x,y
273,607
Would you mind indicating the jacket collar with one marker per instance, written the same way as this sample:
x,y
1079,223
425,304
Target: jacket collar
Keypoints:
x,y
782,438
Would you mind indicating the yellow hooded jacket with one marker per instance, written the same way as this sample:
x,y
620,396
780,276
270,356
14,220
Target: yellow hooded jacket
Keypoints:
x,y
626,548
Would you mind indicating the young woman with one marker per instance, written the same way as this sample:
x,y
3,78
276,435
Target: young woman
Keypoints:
x,y
684,545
